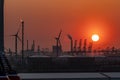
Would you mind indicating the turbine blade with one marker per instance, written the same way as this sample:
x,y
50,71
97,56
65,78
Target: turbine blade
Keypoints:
x,y
12,35
19,38
69,36
18,30
59,34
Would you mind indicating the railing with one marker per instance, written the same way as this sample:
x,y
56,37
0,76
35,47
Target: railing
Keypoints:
x,y
7,73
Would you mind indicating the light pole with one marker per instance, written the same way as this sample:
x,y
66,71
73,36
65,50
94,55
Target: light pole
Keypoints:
x,y
1,26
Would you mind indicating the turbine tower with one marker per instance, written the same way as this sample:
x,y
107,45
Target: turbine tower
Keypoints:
x,y
1,26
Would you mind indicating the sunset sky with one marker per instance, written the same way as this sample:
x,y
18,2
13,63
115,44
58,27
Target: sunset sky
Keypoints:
x,y
79,18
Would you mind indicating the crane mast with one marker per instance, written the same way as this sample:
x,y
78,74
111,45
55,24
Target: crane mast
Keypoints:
x,y
71,43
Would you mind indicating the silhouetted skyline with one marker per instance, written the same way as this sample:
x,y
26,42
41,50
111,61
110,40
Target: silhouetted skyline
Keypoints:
x,y
79,18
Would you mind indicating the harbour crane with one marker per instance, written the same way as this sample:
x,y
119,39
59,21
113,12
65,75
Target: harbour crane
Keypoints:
x,y
80,45
75,44
90,47
84,47
27,45
71,43
33,46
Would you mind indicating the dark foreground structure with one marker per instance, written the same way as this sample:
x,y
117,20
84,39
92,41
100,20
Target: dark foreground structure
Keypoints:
x,y
1,26
6,72
74,64
70,76
67,64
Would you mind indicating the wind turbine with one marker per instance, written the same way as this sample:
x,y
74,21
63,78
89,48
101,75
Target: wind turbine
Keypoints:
x,y
58,43
16,41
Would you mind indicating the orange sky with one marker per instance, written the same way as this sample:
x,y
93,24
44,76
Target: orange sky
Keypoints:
x,y
80,18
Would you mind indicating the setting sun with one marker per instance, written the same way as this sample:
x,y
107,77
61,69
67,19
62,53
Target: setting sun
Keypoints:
x,y
95,37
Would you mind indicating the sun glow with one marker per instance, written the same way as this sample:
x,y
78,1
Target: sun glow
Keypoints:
x,y
95,37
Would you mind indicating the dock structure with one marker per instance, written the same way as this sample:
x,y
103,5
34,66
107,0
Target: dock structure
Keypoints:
x,y
70,76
